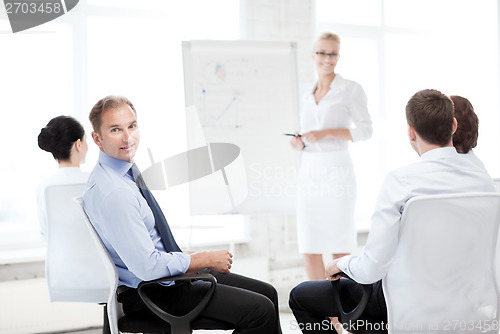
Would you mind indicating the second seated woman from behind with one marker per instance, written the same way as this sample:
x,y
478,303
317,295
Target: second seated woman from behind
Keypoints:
x,y
334,112
465,137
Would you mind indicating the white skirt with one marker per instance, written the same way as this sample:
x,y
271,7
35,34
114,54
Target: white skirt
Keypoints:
x,y
326,196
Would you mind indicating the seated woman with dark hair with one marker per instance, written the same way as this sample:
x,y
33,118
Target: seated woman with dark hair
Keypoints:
x,y
65,138
465,138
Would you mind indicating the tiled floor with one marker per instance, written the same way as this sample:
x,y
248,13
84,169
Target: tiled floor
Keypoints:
x,y
287,326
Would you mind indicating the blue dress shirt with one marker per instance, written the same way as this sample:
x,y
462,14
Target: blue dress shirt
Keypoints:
x,y
125,223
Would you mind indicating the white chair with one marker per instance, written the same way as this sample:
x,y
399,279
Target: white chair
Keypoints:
x,y
497,183
108,272
71,271
443,276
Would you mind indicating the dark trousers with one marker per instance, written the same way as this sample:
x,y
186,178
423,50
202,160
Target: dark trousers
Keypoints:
x,y
247,305
312,304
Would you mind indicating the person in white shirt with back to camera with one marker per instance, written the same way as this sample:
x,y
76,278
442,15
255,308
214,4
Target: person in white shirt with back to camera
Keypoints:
x,y
65,138
441,170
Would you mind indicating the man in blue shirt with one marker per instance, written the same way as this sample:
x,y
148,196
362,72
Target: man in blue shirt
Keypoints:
x,y
126,224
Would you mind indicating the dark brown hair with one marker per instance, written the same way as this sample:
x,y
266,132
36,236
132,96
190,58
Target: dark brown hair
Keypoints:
x,y
465,138
430,113
110,101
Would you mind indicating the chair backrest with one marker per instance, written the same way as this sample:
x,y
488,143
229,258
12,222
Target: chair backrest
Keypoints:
x,y
443,276
497,183
71,271
109,272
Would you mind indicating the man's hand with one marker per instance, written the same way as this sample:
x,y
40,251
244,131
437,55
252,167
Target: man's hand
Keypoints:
x,y
221,261
332,271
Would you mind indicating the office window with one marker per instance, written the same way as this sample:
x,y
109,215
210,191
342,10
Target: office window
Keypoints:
x,y
359,12
149,71
37,84
410,45
63,67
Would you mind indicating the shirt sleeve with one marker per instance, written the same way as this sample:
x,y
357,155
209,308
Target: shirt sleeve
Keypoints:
x,y
378,254
359,112
120,220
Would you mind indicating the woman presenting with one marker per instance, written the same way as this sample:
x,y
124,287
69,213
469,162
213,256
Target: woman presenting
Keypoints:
x,y
333,113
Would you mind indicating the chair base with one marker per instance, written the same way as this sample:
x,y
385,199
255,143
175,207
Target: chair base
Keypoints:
x,y
155,325
134,325
366,326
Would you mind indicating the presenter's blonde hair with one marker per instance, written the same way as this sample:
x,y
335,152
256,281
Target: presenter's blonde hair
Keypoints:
x,y
326,36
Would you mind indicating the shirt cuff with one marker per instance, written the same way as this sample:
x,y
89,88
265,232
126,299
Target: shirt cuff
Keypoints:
x,y
184,262
343,264
356,134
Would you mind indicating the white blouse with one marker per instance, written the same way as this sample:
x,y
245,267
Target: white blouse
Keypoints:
x,y
343,106
64,175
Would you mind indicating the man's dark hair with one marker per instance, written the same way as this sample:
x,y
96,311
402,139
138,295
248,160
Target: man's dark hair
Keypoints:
x,y
430,113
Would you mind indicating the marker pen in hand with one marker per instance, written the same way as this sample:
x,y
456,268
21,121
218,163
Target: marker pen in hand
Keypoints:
x,y
296,135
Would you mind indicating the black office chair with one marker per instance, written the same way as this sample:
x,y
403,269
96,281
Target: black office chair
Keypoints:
x,y
115,321
164,322
355,321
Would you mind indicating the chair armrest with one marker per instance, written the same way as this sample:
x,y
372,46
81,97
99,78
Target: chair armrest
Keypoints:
x,y
178,323
352,316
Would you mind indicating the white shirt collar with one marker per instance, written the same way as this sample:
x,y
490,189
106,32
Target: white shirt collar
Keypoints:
x,y
439,152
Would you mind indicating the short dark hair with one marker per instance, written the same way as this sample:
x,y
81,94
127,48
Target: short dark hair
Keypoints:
x,y
465,138
430,113
58,136
110,101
